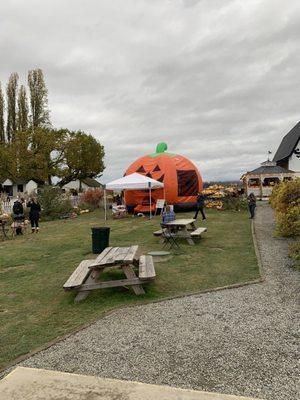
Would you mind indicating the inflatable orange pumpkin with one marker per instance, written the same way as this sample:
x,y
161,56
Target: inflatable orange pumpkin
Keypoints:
x,y
180,176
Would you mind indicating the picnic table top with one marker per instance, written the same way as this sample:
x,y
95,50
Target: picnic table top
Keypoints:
x,y
181,222
116,255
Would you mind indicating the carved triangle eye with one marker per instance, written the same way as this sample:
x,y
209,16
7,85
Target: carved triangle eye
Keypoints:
x,y
141,170
161,179
156,169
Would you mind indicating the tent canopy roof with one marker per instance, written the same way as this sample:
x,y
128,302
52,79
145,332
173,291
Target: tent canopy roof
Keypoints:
x,y
133,182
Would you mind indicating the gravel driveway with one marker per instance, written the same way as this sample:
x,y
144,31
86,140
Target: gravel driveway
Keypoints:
x,y
238,341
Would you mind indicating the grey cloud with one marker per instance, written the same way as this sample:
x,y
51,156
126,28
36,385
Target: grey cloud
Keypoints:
x,y
218,81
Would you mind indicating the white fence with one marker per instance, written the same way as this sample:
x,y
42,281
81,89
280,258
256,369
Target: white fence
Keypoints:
x,y
6,207
75,200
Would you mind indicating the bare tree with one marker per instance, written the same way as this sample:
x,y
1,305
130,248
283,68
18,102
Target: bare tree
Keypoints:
x,y
11,93
38,99
22,120
2,128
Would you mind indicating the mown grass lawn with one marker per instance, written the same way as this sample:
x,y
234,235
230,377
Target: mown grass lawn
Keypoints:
x,y
34,309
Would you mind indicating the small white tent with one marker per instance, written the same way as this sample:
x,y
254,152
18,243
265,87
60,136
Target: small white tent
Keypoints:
x,y
133,181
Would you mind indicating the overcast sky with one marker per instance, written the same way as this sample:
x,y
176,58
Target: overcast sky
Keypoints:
x,y
218,80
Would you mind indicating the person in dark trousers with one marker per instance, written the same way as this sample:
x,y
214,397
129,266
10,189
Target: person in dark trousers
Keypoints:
x,y
34,214
18,215
118,200
200,206
251,204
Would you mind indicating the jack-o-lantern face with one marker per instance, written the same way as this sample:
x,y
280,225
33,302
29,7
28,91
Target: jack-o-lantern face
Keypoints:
x,y
154,174
181,178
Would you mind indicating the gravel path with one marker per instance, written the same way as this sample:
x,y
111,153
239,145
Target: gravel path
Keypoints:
x,y
238,341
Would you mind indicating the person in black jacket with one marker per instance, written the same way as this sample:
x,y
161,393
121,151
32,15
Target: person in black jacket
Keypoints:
x,y
200,206
34,214
18,216
251,204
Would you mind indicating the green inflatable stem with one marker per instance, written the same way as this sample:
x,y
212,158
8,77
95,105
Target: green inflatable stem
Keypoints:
x,y
161,147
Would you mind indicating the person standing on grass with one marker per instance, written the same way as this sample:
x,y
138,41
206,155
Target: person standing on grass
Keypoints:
x,y
34,214
251,204
200,206
18,216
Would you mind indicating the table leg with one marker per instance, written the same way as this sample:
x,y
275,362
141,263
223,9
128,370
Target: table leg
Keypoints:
x,y
94,275
190,241
188,237
130,274
193,226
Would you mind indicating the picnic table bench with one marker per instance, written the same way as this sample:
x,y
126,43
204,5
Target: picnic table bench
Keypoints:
x,y
86,276
198,232
182,228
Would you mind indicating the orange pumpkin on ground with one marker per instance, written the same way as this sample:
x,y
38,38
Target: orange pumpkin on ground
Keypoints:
x,y
180,176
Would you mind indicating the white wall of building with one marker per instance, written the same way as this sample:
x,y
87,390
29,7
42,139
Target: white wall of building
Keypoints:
x,y
72,185
15,190
75,186
31,186
294,161
7,182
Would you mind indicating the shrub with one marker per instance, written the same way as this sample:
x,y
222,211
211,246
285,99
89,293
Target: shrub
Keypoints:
x,y
86,206
53,203
234,203
294,252
285,200
91,198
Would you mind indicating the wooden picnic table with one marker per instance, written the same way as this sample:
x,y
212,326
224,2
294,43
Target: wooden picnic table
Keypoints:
x,y
185,228
87,275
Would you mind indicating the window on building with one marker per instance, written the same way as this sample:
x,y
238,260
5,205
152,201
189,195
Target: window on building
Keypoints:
x,y
271,181
254,182
20,188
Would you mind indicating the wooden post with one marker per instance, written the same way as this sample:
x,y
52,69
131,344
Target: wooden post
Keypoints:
x,y
261,187
150,215
105,216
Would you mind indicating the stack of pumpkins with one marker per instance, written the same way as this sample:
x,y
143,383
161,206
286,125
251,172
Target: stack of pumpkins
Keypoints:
x,y
215,194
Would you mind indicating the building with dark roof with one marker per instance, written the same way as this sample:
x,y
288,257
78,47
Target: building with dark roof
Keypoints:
x,y
18,188
285,166
288,152
261,180
82,185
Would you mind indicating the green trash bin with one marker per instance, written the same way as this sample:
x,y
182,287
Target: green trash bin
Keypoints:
x,y
100,239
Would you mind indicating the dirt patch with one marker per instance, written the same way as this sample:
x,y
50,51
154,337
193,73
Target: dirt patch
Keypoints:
x,y
17,268
217,248
11,295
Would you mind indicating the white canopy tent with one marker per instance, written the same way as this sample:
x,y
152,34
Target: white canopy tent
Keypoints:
x,y
133,181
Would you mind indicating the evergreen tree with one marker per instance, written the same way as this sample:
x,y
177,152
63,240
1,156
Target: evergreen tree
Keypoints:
x,y
22,120
38,99
11,93
2,128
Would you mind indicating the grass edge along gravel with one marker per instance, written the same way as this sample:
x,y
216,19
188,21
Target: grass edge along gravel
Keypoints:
x,y
138,301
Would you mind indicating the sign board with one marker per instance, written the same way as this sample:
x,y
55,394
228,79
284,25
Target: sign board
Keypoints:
x,y
160,203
